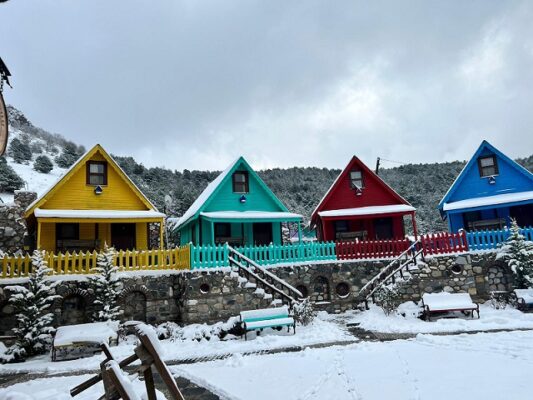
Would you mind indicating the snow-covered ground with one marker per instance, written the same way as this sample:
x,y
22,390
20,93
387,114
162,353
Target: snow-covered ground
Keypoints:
x,y
490,318
58,388
320,331
482,366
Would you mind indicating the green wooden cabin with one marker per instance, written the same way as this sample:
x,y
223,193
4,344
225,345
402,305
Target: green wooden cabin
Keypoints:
x,y
237,208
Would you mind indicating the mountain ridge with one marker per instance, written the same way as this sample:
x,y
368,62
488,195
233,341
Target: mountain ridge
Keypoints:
x,y
299,188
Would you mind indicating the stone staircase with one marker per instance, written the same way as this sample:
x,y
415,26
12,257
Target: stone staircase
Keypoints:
x,y
399,269
266,284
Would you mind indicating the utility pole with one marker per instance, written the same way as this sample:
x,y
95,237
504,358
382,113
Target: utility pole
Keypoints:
x,y
377,165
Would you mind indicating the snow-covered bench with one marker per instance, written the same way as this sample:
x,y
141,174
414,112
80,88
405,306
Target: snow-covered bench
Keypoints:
x,y
524,298
83,340
440,303
257,320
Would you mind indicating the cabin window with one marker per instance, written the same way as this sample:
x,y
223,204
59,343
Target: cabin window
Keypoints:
x,y
96,173
356,179
222,230
487,166
342,226
67,231
240,182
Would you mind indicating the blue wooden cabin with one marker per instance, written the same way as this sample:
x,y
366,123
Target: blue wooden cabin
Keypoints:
x,y
237,208
490,190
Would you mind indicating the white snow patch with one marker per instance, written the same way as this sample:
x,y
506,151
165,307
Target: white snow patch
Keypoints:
x,y
395,208
119,214
488,200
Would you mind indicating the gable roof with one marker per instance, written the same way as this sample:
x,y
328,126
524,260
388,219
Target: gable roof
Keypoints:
x,y
63,179
353,162
210,192
473,162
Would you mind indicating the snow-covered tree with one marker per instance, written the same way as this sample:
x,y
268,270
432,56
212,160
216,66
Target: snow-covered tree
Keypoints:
x,y
517,252
70,155
19,150
106,286
43,164
9,180
31,303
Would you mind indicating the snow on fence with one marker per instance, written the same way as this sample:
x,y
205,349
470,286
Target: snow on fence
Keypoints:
x,y
83,262
359,249
217,256
487,240
444,243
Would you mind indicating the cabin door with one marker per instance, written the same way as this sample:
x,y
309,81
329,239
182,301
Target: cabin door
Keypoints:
x,y
262,233
383,228
123,236
523,215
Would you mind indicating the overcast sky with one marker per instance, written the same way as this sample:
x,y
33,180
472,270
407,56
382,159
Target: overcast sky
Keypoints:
x,y
193,84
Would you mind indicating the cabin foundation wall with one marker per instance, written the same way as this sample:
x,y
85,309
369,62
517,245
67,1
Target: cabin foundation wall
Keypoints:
x,y
208,296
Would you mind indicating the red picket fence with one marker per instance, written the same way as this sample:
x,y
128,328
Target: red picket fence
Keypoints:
x,y
444,243
349,250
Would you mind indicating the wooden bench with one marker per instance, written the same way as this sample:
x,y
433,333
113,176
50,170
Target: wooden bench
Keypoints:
x,y
524,299
440,303
257,320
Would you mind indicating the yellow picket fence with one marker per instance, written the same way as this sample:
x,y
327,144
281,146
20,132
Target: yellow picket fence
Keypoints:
x,y
84,262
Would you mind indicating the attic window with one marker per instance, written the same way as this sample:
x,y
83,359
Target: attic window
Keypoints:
x,y
356,179
240,182
487,166
96,173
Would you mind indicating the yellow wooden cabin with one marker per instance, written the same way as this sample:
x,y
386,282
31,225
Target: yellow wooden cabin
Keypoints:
x,y
94,203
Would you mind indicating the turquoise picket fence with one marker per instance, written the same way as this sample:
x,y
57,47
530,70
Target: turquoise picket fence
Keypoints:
x,y
217,256
488,240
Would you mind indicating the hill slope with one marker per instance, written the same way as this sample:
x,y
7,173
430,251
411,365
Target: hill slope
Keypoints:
x,y
423,185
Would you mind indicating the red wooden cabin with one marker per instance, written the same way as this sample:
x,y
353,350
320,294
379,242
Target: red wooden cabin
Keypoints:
x,y
360,205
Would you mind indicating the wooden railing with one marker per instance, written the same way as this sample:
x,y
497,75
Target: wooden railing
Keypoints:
x,y
487,240
359,249
217,256
83,262
444,243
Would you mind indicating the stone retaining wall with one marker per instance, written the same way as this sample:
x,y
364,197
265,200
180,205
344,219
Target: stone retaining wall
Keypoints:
x,y
210,296
12,223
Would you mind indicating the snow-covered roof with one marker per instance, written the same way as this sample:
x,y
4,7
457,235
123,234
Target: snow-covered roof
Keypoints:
x,y
97,214
204,196
348,212
489,200
267,215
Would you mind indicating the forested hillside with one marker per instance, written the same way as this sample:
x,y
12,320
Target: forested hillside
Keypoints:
x,y
423,185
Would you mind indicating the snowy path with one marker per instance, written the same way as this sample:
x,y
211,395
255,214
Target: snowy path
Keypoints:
x,y
481,366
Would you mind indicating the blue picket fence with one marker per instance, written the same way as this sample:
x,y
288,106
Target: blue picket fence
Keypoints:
x,y
488,240
217,256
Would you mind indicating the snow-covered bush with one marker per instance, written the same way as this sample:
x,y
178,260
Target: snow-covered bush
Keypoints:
x,y
389,297
500,300
106,286
304,312
517,252
43,164
197,332
34,323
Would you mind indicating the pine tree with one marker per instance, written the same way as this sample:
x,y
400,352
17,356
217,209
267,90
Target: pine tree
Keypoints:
x,y
9,180
106,286
34,322
517,252
43,164
20,151
69,156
